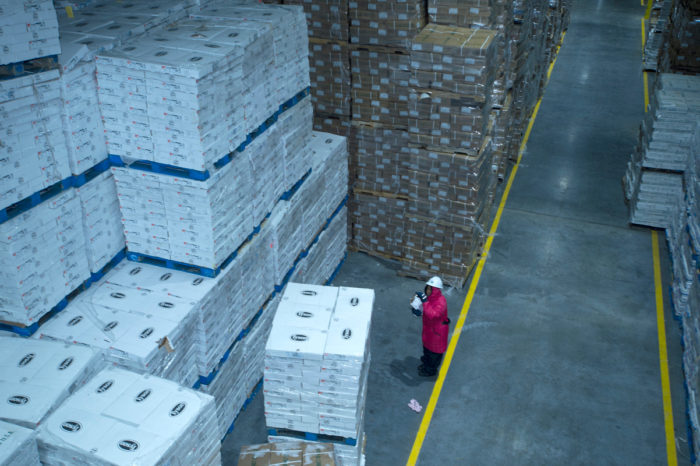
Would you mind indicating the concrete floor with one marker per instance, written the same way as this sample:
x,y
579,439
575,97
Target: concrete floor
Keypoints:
x,y
558,360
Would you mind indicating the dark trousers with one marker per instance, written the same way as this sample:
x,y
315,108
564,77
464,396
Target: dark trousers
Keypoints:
x,y
431,361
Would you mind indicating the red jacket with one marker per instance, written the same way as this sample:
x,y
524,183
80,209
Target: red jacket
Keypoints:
x,y
435,332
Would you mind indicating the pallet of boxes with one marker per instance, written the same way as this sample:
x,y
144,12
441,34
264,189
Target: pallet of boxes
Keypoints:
x,y
422,170
183,133
316,367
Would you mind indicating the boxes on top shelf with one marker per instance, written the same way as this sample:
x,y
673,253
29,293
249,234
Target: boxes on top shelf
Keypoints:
x,y
189,94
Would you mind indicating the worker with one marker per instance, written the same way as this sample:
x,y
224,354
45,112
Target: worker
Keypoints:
x,y
435,327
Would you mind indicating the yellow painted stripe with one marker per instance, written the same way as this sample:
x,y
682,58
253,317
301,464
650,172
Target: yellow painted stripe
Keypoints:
x,y
648,12
69,11
670,435
646,91
437,388
644,35
663,355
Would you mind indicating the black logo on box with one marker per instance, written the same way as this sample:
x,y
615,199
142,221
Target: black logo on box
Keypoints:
x,y
75,321
26,359
71,426
197,281
18,400
142,395
178,409
305,314
105,386
299,337
165,276
146,332
117,295
128,445
309,293
135,271
65,364
347,333
354,301
110,326
166,304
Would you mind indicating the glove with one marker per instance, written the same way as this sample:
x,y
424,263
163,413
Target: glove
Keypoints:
x,y
417,312
422,296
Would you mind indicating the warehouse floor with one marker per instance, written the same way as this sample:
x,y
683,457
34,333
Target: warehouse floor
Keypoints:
x,y
558,361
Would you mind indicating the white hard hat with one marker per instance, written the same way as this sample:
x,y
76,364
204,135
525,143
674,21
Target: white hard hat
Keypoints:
x,y
435,282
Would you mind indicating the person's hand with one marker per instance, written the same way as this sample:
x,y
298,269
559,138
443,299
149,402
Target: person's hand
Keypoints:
x,y
422,296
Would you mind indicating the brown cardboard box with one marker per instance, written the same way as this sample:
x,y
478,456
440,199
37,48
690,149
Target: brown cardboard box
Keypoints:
x,y
287,454
391,23
325,19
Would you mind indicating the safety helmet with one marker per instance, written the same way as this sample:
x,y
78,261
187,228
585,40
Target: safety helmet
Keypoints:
x,y
435,282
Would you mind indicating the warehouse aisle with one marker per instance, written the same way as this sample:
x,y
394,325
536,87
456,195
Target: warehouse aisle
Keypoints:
x,y
558,362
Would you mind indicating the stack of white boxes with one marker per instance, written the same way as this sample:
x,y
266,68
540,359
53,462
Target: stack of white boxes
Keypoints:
x,y
121,417
81,116
35,155
175,96
190,83
235,295
42,258
228,389
212,321
96,28
326,253
294,355
654,180
254,344
28,29
202,222
104,234
296,125
17,446
36,376
317,360
330,164
139,329
287,71
345,368
170,97
287,236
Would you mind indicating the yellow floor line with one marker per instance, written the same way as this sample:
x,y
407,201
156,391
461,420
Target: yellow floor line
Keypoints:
x,y
435,395
644,35
663,355
671,457
646,91
648,12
